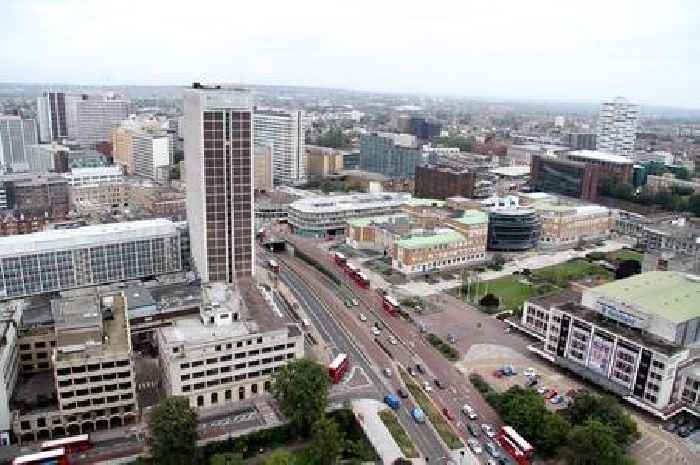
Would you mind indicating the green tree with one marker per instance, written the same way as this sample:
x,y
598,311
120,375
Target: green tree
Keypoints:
x,y
173,432
226,458
280,457
334,138
683,173
301,389
593,443
694,204
327,441
606,409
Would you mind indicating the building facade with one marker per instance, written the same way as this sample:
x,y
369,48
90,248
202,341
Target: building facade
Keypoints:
x,y
617,126
323,161
392,155
38,195
55,260
57,115
220,174
433,182
264,172
579,140
16,135
97,116
228,354
513,229
285,131
610,167
570,178
521,154
150,151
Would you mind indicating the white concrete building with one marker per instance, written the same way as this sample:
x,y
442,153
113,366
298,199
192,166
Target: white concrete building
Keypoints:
x,y
98,175
521,154
97,116
16,135
57,113
230,352
617,126
150,151
285,131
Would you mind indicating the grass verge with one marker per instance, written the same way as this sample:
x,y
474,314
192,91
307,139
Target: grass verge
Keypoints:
x,y
399,434
439,422
449,352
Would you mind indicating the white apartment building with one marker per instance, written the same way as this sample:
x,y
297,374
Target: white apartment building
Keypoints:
x,y
150,151
98,175
230,352
617,126
16,135
285,131
97,116
636,337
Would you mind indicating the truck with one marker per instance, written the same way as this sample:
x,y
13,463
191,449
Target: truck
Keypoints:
x,y
392,401
418,415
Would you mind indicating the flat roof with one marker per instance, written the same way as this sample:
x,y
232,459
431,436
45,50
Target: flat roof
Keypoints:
x,y
439,237
60,239
367,220
517,170
602,156
420,202
354,202
470,217
672,295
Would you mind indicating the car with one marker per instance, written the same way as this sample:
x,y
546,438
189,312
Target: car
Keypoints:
x,y
542,390
376,331
447,414
451,339
439,384
684,431
403,394
426,386
498,373
411,371
475,446
469,412
473,430
551,394
378,325
354,302
419,368
362,317
670,427
556,399
529,372
387,372
492,450
488,430
393,341
503,461
491,462
531,382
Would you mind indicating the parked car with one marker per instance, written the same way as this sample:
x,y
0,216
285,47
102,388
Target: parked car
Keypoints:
x,y
411,371
426,386
362,317
469,412
473,429
542,390
392,340
439,384
403,394
492,450
531,382
529,372
378,325
475,446
387,372
551,394
488,430
392,401
498,373
418,415
376,331
557,399
419,368
491,462
447,414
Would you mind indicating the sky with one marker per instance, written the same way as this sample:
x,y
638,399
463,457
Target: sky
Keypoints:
x,y
566,50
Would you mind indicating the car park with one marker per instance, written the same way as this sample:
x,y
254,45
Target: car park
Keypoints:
x,y
473,429
492,449
475,446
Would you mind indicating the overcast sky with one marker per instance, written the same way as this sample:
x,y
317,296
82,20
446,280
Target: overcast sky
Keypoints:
x,y
646,50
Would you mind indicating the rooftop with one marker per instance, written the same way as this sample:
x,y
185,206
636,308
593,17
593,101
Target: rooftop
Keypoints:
x,y
518,170
602,156
366,221
430,239
671,295
56,239
354,202
471,217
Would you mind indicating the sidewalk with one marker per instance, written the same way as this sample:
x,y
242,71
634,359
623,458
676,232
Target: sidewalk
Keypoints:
x,y
367,410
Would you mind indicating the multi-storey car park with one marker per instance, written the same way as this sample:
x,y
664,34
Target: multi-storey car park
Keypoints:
x,y
636,337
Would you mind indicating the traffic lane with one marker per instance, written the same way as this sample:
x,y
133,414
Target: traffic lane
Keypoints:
x,y
427,443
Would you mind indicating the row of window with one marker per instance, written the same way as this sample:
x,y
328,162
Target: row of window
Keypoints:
x,y
37,345
93,379
238,355
95,390
97,401
230,379
240,366
42,423
92,367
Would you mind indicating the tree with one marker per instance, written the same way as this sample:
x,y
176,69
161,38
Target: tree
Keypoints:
x,y
173,432
301,389
227,458
694,204
593,443
489,300
334,138
606,409
327,441
280,457
683,173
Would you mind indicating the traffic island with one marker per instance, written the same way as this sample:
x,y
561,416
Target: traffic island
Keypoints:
x,y
399,434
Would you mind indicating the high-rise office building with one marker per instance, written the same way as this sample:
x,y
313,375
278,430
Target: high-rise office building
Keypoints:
x,y
617,126
57,115
219,176
16,135
285,131
150,151
96,118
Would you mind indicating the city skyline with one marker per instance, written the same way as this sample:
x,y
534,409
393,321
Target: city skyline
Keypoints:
x,y
569,53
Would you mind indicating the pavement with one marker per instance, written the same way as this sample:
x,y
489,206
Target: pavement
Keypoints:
x,y
378,434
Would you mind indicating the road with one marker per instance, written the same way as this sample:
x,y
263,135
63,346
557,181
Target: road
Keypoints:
x,y
412,348
369,357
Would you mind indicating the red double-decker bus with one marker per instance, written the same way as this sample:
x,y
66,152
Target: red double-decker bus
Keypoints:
x,y
47,457
362,280
338,367
71,444
339,258
515,445
390,305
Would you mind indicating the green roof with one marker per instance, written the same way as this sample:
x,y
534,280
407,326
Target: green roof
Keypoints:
x,y
473,217
367,220
430,240
672,295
